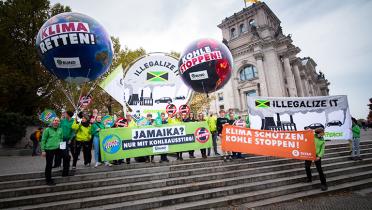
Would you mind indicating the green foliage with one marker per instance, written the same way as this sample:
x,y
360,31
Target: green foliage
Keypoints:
x,y
21,72
13,127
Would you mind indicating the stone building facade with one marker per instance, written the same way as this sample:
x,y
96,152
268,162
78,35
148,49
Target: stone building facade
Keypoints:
x,y
265,61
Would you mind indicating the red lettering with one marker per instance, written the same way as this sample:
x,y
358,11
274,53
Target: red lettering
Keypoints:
x,y
213,56
44,34
194,61
200,58
67,27
207,57
188,64
51,32
58,28
81,27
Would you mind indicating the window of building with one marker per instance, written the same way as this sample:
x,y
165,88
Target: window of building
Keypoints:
x,y
250,93
220,96
232,33
248,73
252,22
241,28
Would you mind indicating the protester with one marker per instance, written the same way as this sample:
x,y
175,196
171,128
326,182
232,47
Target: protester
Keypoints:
x,y
202,151
212,124
83,136
149,121
232,121
175,120
121,123
191,118
320,148
50,143
355,151
65,124
221,121
35,138
163,157
96,128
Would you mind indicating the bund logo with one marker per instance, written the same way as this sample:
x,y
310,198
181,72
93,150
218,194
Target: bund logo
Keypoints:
x,y
262,103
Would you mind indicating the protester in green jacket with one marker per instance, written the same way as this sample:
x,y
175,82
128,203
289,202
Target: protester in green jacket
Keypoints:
x,y
83,137
97,126
319,150
355,149
50,143
67,132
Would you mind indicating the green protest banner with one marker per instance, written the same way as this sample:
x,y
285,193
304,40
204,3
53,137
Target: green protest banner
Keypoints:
x,y
119,143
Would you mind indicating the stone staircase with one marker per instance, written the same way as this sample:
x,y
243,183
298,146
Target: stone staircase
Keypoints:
x,y
189,184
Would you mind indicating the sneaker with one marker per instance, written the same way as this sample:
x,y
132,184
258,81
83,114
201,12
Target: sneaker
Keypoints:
x,y
73,167
97,164
324,187
108,164
217,154
359,158
351,158
192,156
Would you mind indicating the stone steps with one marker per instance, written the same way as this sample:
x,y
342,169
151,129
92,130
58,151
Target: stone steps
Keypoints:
x,y
192,184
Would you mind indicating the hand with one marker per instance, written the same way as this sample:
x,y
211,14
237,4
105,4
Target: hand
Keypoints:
x,y
317,158
98,129
43,154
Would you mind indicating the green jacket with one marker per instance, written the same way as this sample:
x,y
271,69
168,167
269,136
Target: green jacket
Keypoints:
x,y
212,123
66,128
51,138
319,146
82,133
95,127
356,131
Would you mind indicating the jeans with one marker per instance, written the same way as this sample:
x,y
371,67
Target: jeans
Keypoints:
x,y
318,165
35,147
96,148
355,147
214,141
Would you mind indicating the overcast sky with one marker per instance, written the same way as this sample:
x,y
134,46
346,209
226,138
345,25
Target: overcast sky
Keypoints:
x,y
336,34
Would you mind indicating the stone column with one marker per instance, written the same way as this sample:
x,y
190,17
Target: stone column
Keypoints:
x,y
290,79
298,82
261,74
304,86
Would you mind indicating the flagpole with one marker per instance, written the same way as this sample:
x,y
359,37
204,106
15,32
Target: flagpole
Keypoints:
x,y
245,3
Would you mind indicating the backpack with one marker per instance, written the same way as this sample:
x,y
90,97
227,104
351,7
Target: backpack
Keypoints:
x,y
33,136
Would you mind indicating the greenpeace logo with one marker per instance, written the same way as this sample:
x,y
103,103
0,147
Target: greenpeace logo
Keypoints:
x,y
67,63
199,75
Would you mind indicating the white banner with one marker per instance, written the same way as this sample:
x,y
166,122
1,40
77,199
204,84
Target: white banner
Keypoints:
x,y
153,82
113,85
302,113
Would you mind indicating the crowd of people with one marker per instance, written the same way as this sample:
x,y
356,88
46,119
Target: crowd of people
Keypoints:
x,y
68,136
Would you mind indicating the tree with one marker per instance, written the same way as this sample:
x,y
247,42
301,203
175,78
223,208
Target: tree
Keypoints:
x,y
102,100
21,72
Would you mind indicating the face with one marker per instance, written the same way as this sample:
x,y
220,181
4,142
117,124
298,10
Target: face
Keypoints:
x,y
99,118
222,114
162,116
201,116
95,111
55,122
149,117
83,119
231,116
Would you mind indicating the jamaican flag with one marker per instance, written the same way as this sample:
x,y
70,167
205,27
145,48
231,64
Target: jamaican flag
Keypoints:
x,y
157,76
262,103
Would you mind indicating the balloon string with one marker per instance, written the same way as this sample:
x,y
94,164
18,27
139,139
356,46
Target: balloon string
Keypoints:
x,y
204,89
